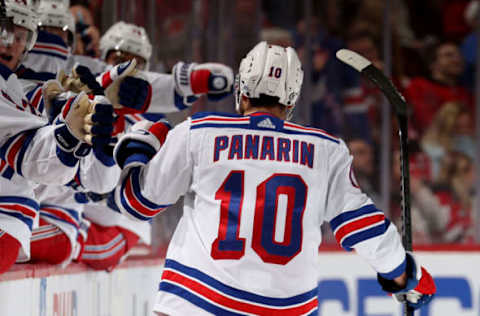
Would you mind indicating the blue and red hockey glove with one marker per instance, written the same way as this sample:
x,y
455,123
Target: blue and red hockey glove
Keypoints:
x,y
420,287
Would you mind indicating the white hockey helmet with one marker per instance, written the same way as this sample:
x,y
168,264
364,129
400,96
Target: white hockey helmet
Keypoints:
x,y
56,13
271,70
126,37
23,14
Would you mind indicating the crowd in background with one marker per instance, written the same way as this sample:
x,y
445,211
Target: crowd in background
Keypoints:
x,y
433,63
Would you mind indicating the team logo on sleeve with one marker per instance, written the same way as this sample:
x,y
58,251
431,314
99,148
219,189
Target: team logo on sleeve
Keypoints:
x,y
353,179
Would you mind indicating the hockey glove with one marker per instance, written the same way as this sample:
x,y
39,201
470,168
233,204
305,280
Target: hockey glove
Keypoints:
x,y
104,152
420,287
213,79
134,96
87,79
128,94
139,145
115,73
51,90
89,121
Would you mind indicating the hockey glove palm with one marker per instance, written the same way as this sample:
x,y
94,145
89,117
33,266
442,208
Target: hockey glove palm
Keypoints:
x,y
420,287
89,121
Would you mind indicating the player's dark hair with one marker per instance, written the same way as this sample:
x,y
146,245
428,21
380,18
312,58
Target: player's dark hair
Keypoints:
x,y
265,101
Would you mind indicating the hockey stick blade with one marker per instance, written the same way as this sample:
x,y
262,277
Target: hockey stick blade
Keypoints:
x,y
365,67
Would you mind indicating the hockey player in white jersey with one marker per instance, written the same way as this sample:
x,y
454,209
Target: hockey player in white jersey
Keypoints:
x,y
256,190
30,149
61,206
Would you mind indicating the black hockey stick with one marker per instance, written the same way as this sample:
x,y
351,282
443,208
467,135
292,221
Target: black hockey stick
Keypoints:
x,y
366,68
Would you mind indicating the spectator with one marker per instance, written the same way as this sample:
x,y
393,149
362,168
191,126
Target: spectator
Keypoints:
x,y
463,138
469,44
455,190
334,85
429,216
365,113
428,95
455,26
363,166
88,35
438,138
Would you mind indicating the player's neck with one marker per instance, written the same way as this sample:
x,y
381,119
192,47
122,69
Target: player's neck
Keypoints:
x,y
275,111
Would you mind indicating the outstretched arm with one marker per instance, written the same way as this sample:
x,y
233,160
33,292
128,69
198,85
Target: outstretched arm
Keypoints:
x,y
358,224
156,168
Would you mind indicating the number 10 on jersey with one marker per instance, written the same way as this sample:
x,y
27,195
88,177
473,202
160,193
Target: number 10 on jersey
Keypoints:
x,y
229,244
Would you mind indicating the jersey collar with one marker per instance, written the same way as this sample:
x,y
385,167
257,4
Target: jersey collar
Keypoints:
x,y
260,113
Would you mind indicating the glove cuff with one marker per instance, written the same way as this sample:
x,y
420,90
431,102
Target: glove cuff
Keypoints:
x,y
140,145
133,153
104,154
413,272
69,148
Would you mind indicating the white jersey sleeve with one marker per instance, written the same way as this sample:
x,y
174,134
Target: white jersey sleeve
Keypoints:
x,y
138,196
165,99
27,143
96,176
357,223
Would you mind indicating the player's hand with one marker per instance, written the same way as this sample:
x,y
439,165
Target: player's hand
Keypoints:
x,y
51,90
81,79
420,286
87,79
127,93
134,96
213,79
85,121
139,145
116,73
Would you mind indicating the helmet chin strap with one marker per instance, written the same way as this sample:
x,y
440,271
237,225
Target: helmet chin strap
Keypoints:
x,y
289,113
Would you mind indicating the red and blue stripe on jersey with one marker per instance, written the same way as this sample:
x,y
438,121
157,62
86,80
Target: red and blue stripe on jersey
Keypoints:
x,y
59,213
50,45
35,98
5,170
22,208
14,150
133,201
355,226
218,298
251,122
134,118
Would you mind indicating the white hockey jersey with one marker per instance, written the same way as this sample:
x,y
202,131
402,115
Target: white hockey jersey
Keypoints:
x,y
27,142
256,191
28,152
18,209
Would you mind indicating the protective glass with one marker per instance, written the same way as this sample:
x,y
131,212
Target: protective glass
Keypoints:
x,y
16,36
